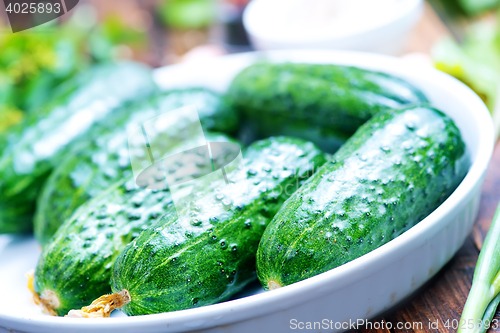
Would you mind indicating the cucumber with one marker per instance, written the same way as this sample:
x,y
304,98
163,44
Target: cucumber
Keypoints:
x,y
75,267
396,169
206,253
104,160
325,104
41,142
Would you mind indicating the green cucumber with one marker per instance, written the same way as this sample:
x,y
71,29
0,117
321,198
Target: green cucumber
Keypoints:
x,y
325,104
75,267
206,252
42,141
396,169
104,160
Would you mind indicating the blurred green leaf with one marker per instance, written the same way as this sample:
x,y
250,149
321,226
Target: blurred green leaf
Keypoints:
x,y
187,14
475,7
112,33
34,63
476,62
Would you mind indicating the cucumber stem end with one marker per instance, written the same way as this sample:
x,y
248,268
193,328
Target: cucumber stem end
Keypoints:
x,y
103,306
271,284
48,299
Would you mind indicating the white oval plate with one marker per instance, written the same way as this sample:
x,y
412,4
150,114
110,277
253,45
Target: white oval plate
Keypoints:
x,y
362,288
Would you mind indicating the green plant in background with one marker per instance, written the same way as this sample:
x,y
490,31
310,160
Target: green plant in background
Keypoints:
x,y
9,114
34,63
464,8
474,7
112,33
476,61
187,14
484,295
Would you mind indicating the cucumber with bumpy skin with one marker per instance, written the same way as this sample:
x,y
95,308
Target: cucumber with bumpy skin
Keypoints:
x,y
36,147
322,103
75,267
396,169
104,159
206,252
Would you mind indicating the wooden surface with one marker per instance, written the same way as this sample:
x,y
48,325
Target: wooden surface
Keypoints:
x,y
442,299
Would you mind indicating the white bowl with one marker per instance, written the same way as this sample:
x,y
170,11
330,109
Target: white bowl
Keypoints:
x,y
387,36
362,288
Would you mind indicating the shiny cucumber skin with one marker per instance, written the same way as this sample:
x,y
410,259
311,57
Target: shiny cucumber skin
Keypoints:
x,y
43,140
103,159
206,252
322,103
397,168
74,267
